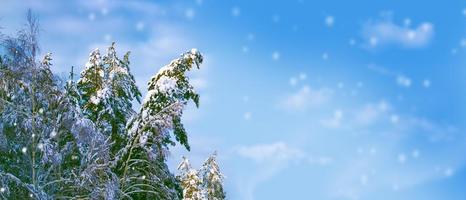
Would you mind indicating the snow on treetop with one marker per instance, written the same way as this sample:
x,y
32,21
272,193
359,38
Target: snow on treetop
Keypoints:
x,y
166,84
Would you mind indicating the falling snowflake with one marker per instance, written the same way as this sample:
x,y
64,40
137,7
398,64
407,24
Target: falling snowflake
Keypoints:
x,y
402,158
325,56
247,116
190,13
140,26
426,83
235,12
275,55
329,21
394,118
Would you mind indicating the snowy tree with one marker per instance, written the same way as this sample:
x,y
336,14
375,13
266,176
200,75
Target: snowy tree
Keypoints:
x,y
83,140
108,89
91,84
162,108
149,132
212,178
49,150
190,181
71,90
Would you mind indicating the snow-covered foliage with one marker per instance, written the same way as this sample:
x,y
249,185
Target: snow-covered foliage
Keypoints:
x,y
212,178
205,183
83,140
149,132
107,90
169,92
49,150
190,181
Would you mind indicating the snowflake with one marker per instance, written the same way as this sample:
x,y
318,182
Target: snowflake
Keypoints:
x,y
329,21
276,55
24,149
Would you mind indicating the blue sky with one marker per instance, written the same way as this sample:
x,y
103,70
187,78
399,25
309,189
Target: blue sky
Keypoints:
x,y
302,99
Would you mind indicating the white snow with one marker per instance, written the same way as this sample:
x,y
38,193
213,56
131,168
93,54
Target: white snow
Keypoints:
x,y
53,134
166,84
143,138
24,150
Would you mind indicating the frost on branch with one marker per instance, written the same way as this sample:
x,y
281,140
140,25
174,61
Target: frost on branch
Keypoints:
x,y
212,178
169,92
149,132
190,181
83,140
107,89
49,150
205,184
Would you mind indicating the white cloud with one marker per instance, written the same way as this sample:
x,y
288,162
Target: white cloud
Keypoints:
x,y
269,160
334,121
448,172
306,98
278,152
386,32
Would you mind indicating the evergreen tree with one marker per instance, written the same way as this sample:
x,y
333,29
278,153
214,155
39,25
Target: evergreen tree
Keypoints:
x,y
48,150
91,84
212,178
149,132
190,181
108,89
74,140
71,90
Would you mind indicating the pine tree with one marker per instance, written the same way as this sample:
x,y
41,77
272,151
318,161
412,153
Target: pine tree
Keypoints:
x,y
123,92
149,132
212,178
108,89
190,181
91,84
74,140
71,90
162,108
